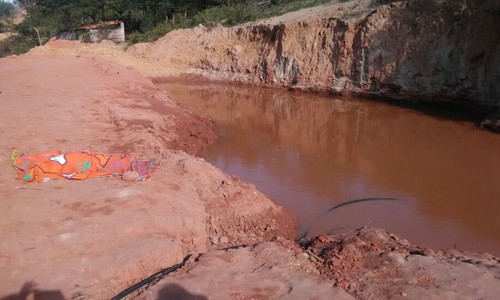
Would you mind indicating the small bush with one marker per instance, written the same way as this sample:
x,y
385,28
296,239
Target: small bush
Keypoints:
x,y
16,45
227,15
151,35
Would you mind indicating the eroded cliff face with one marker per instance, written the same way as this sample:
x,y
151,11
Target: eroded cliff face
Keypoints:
x,y
416,50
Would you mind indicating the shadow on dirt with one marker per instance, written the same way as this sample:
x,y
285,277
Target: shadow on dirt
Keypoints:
x,y
174,291
30,291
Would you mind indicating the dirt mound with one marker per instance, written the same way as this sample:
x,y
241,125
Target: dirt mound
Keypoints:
x,y
375,264
104,50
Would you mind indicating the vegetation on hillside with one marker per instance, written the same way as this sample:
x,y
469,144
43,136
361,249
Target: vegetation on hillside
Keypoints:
x,y
145,20
9,41
227,14
6,9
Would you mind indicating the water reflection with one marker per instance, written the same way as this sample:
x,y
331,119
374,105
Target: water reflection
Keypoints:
x,y
309,152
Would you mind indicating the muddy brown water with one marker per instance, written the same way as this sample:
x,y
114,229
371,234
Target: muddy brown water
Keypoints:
x,y
310,152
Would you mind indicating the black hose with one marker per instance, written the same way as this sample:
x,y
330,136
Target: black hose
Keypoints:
x,y
151,278
302,238
160,274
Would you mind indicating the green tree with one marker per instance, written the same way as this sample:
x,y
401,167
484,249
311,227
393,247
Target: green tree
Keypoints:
x,y
6,9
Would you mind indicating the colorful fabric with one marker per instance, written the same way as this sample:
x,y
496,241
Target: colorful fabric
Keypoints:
x,y
143,168
77,165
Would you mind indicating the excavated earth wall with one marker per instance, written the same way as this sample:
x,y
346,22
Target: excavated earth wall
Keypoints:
x,y
436,51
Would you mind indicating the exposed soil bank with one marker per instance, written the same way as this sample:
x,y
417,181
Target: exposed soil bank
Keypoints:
x,y
436,51
365,264
418,50
374,264
90,239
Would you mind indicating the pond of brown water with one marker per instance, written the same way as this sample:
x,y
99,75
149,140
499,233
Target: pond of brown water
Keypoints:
x,y
310,152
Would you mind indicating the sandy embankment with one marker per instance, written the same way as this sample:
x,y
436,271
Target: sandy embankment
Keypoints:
x,y
91,239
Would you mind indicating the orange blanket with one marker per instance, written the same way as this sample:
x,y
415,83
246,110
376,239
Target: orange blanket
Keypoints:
x,y
77,165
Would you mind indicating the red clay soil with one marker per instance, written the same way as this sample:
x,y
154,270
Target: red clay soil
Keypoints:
x,y
91,239
375,264
272,270
368,263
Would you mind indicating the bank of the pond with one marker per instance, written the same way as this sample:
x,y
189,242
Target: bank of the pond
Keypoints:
x,y
364,264
90,239
265,136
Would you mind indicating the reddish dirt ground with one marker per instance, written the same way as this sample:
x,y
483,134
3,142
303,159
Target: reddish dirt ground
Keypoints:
x,y
368,263
375,264
90,239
